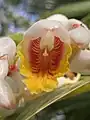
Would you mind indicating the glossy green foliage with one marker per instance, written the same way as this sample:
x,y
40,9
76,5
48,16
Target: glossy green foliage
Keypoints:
x,y
75,10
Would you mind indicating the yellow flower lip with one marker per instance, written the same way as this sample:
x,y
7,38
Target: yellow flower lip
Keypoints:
x,y
36,83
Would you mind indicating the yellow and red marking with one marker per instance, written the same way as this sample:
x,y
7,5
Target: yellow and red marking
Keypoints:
x,y
45,60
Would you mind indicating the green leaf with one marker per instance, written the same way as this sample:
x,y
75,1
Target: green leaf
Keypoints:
x,y
73,108
86,20
77,9
17,37
36,105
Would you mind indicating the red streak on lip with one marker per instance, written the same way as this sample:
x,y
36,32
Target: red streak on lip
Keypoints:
x,y
48,63
56,54
34,55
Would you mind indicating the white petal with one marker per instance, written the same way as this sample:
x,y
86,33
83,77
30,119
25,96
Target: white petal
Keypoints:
x,y
7,98
40,28
59,31
3,68
63,34
81,62
59,17
71,22
15,83
7,46
80,35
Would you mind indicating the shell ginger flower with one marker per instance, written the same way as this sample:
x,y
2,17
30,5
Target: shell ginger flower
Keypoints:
x,y
44,54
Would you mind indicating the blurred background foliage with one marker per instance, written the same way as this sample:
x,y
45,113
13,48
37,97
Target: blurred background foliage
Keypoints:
x,y
18,15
